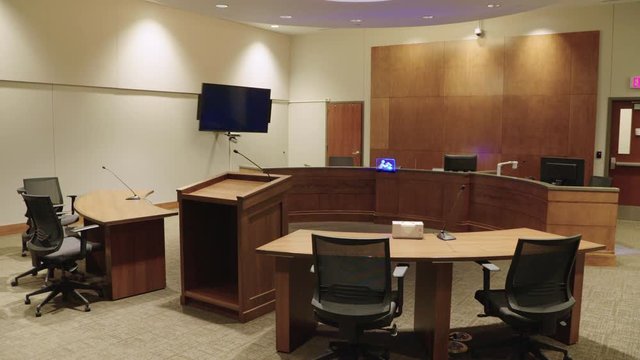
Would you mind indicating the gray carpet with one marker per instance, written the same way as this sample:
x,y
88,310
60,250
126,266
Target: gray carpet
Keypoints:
x,y
155,326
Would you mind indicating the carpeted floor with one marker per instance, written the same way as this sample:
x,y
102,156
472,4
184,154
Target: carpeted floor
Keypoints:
x,y
155,326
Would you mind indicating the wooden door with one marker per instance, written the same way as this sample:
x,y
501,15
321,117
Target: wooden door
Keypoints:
x,y
625,168
344,133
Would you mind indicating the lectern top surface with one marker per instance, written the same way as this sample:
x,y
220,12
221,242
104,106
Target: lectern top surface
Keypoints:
x,y
228,189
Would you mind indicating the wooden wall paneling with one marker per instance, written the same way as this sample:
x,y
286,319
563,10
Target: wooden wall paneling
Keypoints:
x,y
472,124
537,65
410,159
585,51
416,123
593,215
379,138
417,69
528,165
473,68
507,203
421,198
582,130
381,71
387,198
537,125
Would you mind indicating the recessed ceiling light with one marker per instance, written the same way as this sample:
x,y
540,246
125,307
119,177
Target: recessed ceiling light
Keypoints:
x,y
357,1
222,6
285,16
493,6
428,17
275,26
356,21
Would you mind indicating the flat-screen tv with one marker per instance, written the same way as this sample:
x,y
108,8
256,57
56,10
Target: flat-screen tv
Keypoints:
x,y
562,171
234,108
460,162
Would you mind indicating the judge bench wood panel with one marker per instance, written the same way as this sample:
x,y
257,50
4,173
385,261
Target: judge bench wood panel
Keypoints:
x,y
488,202
514,98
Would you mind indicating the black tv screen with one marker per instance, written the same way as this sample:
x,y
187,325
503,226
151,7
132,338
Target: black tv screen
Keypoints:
x,y
562,171
234,108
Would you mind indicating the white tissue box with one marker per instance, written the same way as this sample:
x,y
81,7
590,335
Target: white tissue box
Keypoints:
x,y
407,229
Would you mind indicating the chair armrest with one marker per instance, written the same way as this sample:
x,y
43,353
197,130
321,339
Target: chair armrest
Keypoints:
x,y
81,229
73,200
83,240
487,268
21,190
399,272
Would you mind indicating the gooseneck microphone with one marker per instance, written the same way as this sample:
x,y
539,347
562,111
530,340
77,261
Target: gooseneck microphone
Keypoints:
x,y
135,196
251,161
443,235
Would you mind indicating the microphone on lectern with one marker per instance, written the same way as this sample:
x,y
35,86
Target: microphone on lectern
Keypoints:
x,y
443,235
135,196
251,161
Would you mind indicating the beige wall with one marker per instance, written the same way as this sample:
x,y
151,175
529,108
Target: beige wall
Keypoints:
x,y
351,50
90,82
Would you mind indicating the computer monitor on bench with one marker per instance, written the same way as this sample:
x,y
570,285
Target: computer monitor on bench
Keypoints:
x,y
562,171
460,162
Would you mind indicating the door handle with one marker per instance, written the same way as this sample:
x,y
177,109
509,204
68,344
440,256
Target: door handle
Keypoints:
x,y
612,163
357,152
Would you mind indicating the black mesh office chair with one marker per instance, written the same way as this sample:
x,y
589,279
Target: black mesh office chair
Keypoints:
x,y
600,181
49,186
55,250
354,291
341,161
537,295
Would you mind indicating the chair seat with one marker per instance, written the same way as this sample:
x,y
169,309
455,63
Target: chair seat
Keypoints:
x,y
69,219
367,316
69,250
496,304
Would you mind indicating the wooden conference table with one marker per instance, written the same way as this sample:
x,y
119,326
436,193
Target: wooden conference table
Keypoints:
x,y
434,265
132,233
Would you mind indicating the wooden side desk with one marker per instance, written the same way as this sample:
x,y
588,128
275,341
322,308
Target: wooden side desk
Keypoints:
x,y
434,267
132,233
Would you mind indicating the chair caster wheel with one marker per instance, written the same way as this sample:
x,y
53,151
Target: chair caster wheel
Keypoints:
x,y
87,308
24,254
38,314
27,301
567,357
14,282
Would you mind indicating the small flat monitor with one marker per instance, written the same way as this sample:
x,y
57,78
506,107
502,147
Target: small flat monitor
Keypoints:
x,y
386,164
460,162
562,171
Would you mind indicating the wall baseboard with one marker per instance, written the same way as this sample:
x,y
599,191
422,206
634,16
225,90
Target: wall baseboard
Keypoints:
x,y
12,229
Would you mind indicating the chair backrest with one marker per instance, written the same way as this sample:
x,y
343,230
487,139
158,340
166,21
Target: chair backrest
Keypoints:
x,y
538,282
601,181
49,186
352,271
341,161
48,232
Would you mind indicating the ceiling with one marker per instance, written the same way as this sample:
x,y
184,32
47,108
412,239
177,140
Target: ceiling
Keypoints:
x,y
298,16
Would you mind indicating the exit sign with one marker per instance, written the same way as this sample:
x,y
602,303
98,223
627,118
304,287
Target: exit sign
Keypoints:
x,y
635,82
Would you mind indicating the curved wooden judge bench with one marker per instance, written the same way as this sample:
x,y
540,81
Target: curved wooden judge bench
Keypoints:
x,y
488,202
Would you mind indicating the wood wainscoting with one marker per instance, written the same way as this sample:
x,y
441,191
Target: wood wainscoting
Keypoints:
x,y
487,202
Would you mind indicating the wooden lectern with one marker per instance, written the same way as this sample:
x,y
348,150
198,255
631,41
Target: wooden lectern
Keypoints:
x,y
222,221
